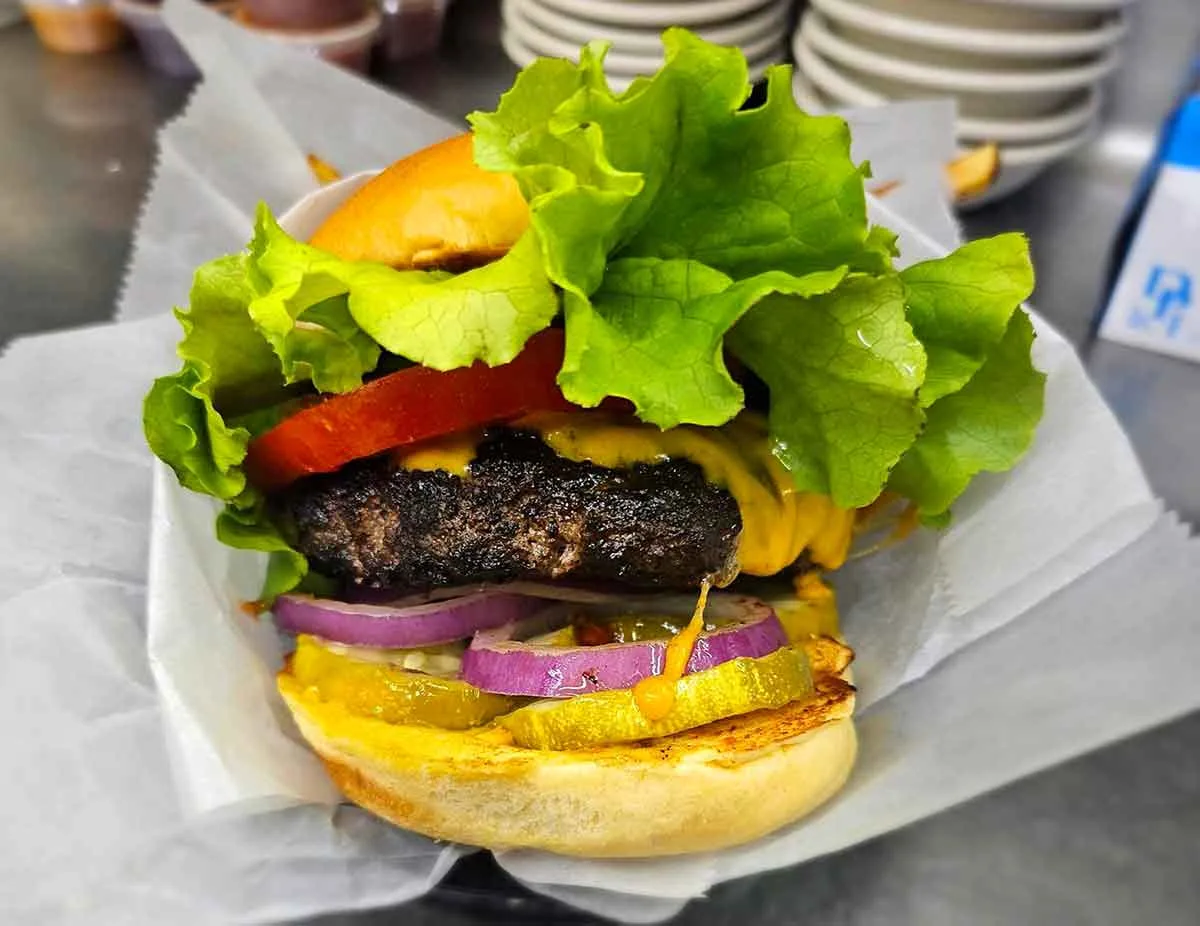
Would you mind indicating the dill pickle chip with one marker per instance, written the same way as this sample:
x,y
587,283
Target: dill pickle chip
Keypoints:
x,y
388,692
602,717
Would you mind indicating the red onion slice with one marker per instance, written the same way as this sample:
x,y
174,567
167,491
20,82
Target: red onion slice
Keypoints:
x,y
404,626
551,591
497,663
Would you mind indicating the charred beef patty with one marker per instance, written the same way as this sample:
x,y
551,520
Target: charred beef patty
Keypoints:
x,y
524,513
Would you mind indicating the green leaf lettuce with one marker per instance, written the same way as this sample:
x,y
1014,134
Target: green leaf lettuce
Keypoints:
x,y
672,227
285,317
682,226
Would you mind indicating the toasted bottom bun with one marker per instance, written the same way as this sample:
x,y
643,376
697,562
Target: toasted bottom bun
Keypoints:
x,y
716,786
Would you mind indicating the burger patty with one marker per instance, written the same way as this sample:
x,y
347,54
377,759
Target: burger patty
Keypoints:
x,y
524,513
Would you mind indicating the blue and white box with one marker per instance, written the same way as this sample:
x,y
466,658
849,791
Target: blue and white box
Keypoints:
x,y
1156,301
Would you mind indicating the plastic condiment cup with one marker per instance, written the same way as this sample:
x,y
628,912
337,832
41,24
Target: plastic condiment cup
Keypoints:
x,y
347,46
303,15
411,27
75,26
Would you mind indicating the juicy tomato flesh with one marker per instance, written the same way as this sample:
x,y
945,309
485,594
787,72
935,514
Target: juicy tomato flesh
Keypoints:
x,y
406,407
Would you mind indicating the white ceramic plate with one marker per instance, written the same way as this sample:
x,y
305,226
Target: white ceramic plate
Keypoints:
x,y
1068,6
521,55
658,14
543,43
999,14
815,32
772,18
876,29
1075,118
853,88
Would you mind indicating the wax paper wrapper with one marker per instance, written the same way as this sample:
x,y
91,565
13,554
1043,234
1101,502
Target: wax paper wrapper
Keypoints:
x,y
1002,643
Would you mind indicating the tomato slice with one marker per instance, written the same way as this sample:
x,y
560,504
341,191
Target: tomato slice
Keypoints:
x,y
402,408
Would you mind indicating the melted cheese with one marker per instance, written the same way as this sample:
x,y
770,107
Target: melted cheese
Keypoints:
x,y
812,612
778,522
453,454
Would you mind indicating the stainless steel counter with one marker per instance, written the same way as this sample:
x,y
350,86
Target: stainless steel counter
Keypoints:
x,y
1110,838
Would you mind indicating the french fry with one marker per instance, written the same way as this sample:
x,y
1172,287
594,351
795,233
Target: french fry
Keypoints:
x,y
323,170
973,172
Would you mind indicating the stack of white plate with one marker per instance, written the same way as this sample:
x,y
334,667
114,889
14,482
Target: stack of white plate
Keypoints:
x,y
1027,74
556,28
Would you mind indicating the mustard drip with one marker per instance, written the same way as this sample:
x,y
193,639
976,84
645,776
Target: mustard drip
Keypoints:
x,y
655,696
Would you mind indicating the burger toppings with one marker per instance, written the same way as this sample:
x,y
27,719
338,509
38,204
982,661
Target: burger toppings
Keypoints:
x,y
372,677
727,690
778,521
508,358
579,495
655,695
387,692
496,662
524,513
404,408
400,625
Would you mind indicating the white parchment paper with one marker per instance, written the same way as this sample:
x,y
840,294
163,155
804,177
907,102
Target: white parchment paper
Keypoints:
x,y
94,828
243,139
1002,642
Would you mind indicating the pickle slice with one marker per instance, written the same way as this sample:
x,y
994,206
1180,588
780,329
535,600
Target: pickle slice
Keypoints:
x,y
389,692
735,687
634,628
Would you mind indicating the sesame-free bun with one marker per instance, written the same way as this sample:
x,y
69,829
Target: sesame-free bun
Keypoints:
x,y
716,786
435,208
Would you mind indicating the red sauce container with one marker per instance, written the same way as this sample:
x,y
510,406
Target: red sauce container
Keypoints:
x,y
303,15
77,27
347,46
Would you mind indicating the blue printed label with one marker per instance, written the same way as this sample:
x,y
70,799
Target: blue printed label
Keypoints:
x,y
1153,304
1183,146
1167,296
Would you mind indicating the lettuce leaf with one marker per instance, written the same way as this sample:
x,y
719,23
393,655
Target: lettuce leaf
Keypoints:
x,y
247,526
674,168
286,314
327,318
577,196
987,425
982,394
663,210
301,310
671,225
844,402
778,188
959,306
653,334
224,357
668,211
227,363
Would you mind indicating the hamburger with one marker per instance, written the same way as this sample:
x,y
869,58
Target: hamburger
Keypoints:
x,y
553,432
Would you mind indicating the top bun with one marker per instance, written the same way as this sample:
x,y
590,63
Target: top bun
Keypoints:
x,y
433,209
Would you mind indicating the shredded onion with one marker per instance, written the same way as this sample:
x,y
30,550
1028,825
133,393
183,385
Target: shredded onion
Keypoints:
x,y
401,625
498,662
550,591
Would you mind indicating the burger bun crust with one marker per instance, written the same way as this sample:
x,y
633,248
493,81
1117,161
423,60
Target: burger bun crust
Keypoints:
x,y
716,786
435,208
